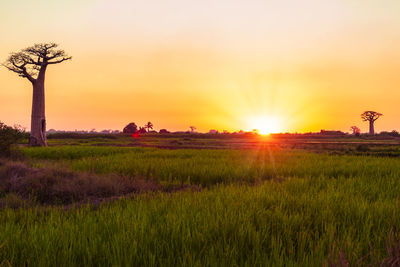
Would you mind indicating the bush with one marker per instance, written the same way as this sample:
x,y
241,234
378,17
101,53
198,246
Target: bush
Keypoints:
x,y
9,136
51,186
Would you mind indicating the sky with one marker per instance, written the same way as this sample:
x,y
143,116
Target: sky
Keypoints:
x,y
289,65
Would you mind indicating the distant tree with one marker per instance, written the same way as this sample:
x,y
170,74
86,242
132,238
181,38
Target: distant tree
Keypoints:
x,y
393,133
142,130
192,128
355,130
31,63
164,131
371,116
130,128
148,126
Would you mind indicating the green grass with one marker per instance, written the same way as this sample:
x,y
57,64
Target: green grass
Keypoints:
x,y
275,224
210,167
257,208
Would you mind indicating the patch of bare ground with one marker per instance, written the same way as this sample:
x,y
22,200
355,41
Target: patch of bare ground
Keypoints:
x,y
21,185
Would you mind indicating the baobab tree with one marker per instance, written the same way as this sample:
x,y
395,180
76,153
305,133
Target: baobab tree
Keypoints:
x,y
371,116
148,126
355,130
31,63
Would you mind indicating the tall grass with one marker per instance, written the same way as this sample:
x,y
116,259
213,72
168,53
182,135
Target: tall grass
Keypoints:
x,y
303,206
294,223
209,167
72,152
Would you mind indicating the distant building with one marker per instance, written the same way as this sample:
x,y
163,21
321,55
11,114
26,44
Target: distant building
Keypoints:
x,y
325,132
164,131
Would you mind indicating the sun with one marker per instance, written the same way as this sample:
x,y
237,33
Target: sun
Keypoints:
x,y
266,125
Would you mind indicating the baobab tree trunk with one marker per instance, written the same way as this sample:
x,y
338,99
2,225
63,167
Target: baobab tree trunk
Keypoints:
x,y
371,127
38,119
31,63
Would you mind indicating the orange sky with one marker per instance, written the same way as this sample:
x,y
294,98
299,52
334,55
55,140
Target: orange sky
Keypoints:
x,y
307,64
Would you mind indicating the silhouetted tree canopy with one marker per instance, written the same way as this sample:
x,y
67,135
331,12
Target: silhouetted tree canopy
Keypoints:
x,y
148,126
371,117
29,61
355,129
142,130
130,128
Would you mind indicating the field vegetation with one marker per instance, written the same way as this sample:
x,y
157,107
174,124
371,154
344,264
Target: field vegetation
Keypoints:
x,y
123,203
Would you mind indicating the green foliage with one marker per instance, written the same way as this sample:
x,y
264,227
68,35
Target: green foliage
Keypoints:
x,y
9,136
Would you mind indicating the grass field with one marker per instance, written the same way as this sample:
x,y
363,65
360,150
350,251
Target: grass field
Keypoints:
x,y
265,206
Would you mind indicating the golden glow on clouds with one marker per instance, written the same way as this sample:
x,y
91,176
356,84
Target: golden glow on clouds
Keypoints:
x,y
300,65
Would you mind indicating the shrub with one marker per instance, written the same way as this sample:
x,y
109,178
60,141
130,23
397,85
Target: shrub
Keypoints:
x,y
9,136
62,186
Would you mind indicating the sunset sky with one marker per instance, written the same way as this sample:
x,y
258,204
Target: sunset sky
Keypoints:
x,y
302,65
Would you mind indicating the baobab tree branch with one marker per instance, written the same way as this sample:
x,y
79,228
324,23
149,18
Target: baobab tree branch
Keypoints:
x,y
28,76
29,62
59,61
20,70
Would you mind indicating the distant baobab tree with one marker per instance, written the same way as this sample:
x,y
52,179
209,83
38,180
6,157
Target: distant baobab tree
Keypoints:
x,y
192,128
355,130
148,126
31,63
371,116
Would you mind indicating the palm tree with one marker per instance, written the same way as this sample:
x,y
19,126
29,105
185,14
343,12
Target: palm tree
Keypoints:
x,y
192,128
148,126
